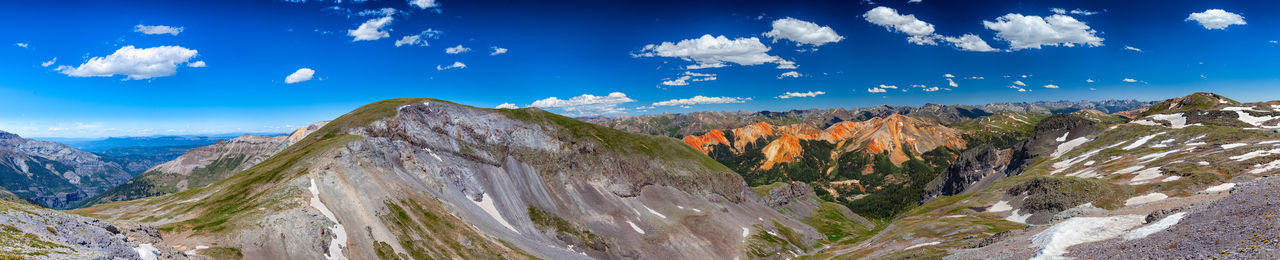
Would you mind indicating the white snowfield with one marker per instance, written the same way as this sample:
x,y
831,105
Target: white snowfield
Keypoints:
x,y
1148,198
637,228
1017,218
1053,242
654,212
335,245
147,251
922,245
1141,141
1165,223
1000,207
488,207
1063,148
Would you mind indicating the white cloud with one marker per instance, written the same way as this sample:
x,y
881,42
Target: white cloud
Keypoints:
x,y
1019,83
497,50
688,76
952,83
134,63
699,100
786,65
914,1
976,77
587,104
371,30
800,94
888,86
1127,47
21,44
1051,86
1273,41
876,90
1083,12
970,42
456,49
921,32
948,75
197,64
926,88
1032,32
302,75
419,39
455,65
1130,80
388,11
790,74
1216,19
49,63
424,4
157,29
1058,10
714,52
507,106
802,32
1088,80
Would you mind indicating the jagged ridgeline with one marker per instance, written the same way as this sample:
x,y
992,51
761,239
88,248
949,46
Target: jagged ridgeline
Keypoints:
x,y
424,178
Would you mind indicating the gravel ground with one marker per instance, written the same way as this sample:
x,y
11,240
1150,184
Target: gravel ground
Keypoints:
x,y
1239,226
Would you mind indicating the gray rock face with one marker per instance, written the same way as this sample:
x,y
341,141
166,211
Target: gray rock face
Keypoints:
x,y
30,231
972,170
53,174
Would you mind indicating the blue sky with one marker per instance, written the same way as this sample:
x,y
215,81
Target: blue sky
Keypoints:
x,y
98,86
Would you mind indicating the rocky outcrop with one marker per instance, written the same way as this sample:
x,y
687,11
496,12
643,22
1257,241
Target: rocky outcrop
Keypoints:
x,y
973,169
28,231
52,174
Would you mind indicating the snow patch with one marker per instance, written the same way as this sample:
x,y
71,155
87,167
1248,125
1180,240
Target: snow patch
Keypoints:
x,y
1176,121
637,228
1089,163
1018,218
1150,197
335,245
489,207
922,244
1230,146
196,251
1152,228
1000,206
147,251
1154,156
1203,163
1141,141
1129,170
433,154
1220,188
745,232
1262,168
1145,175
1064,137
1053,242
1063,148
1256,120
654,212
1255,154
1171,178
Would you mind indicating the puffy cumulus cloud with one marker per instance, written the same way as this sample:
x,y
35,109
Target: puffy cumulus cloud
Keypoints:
x,y
952,83
970,42
790,74
587,104
424,4
802,32
700,100
134,63
302,75
786,65
157,29
876,90
714,52
1216,19
688,76
921,32
419,39
1058,10
1130,80
788,95
507,106
1032,32
1020,89
1019,83
497,50
455,65
1051,86
371,30
948,75
197,64
1127,47
456,49
49,63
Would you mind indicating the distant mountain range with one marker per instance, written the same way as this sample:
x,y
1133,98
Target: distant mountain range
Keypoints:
x,y
99,145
